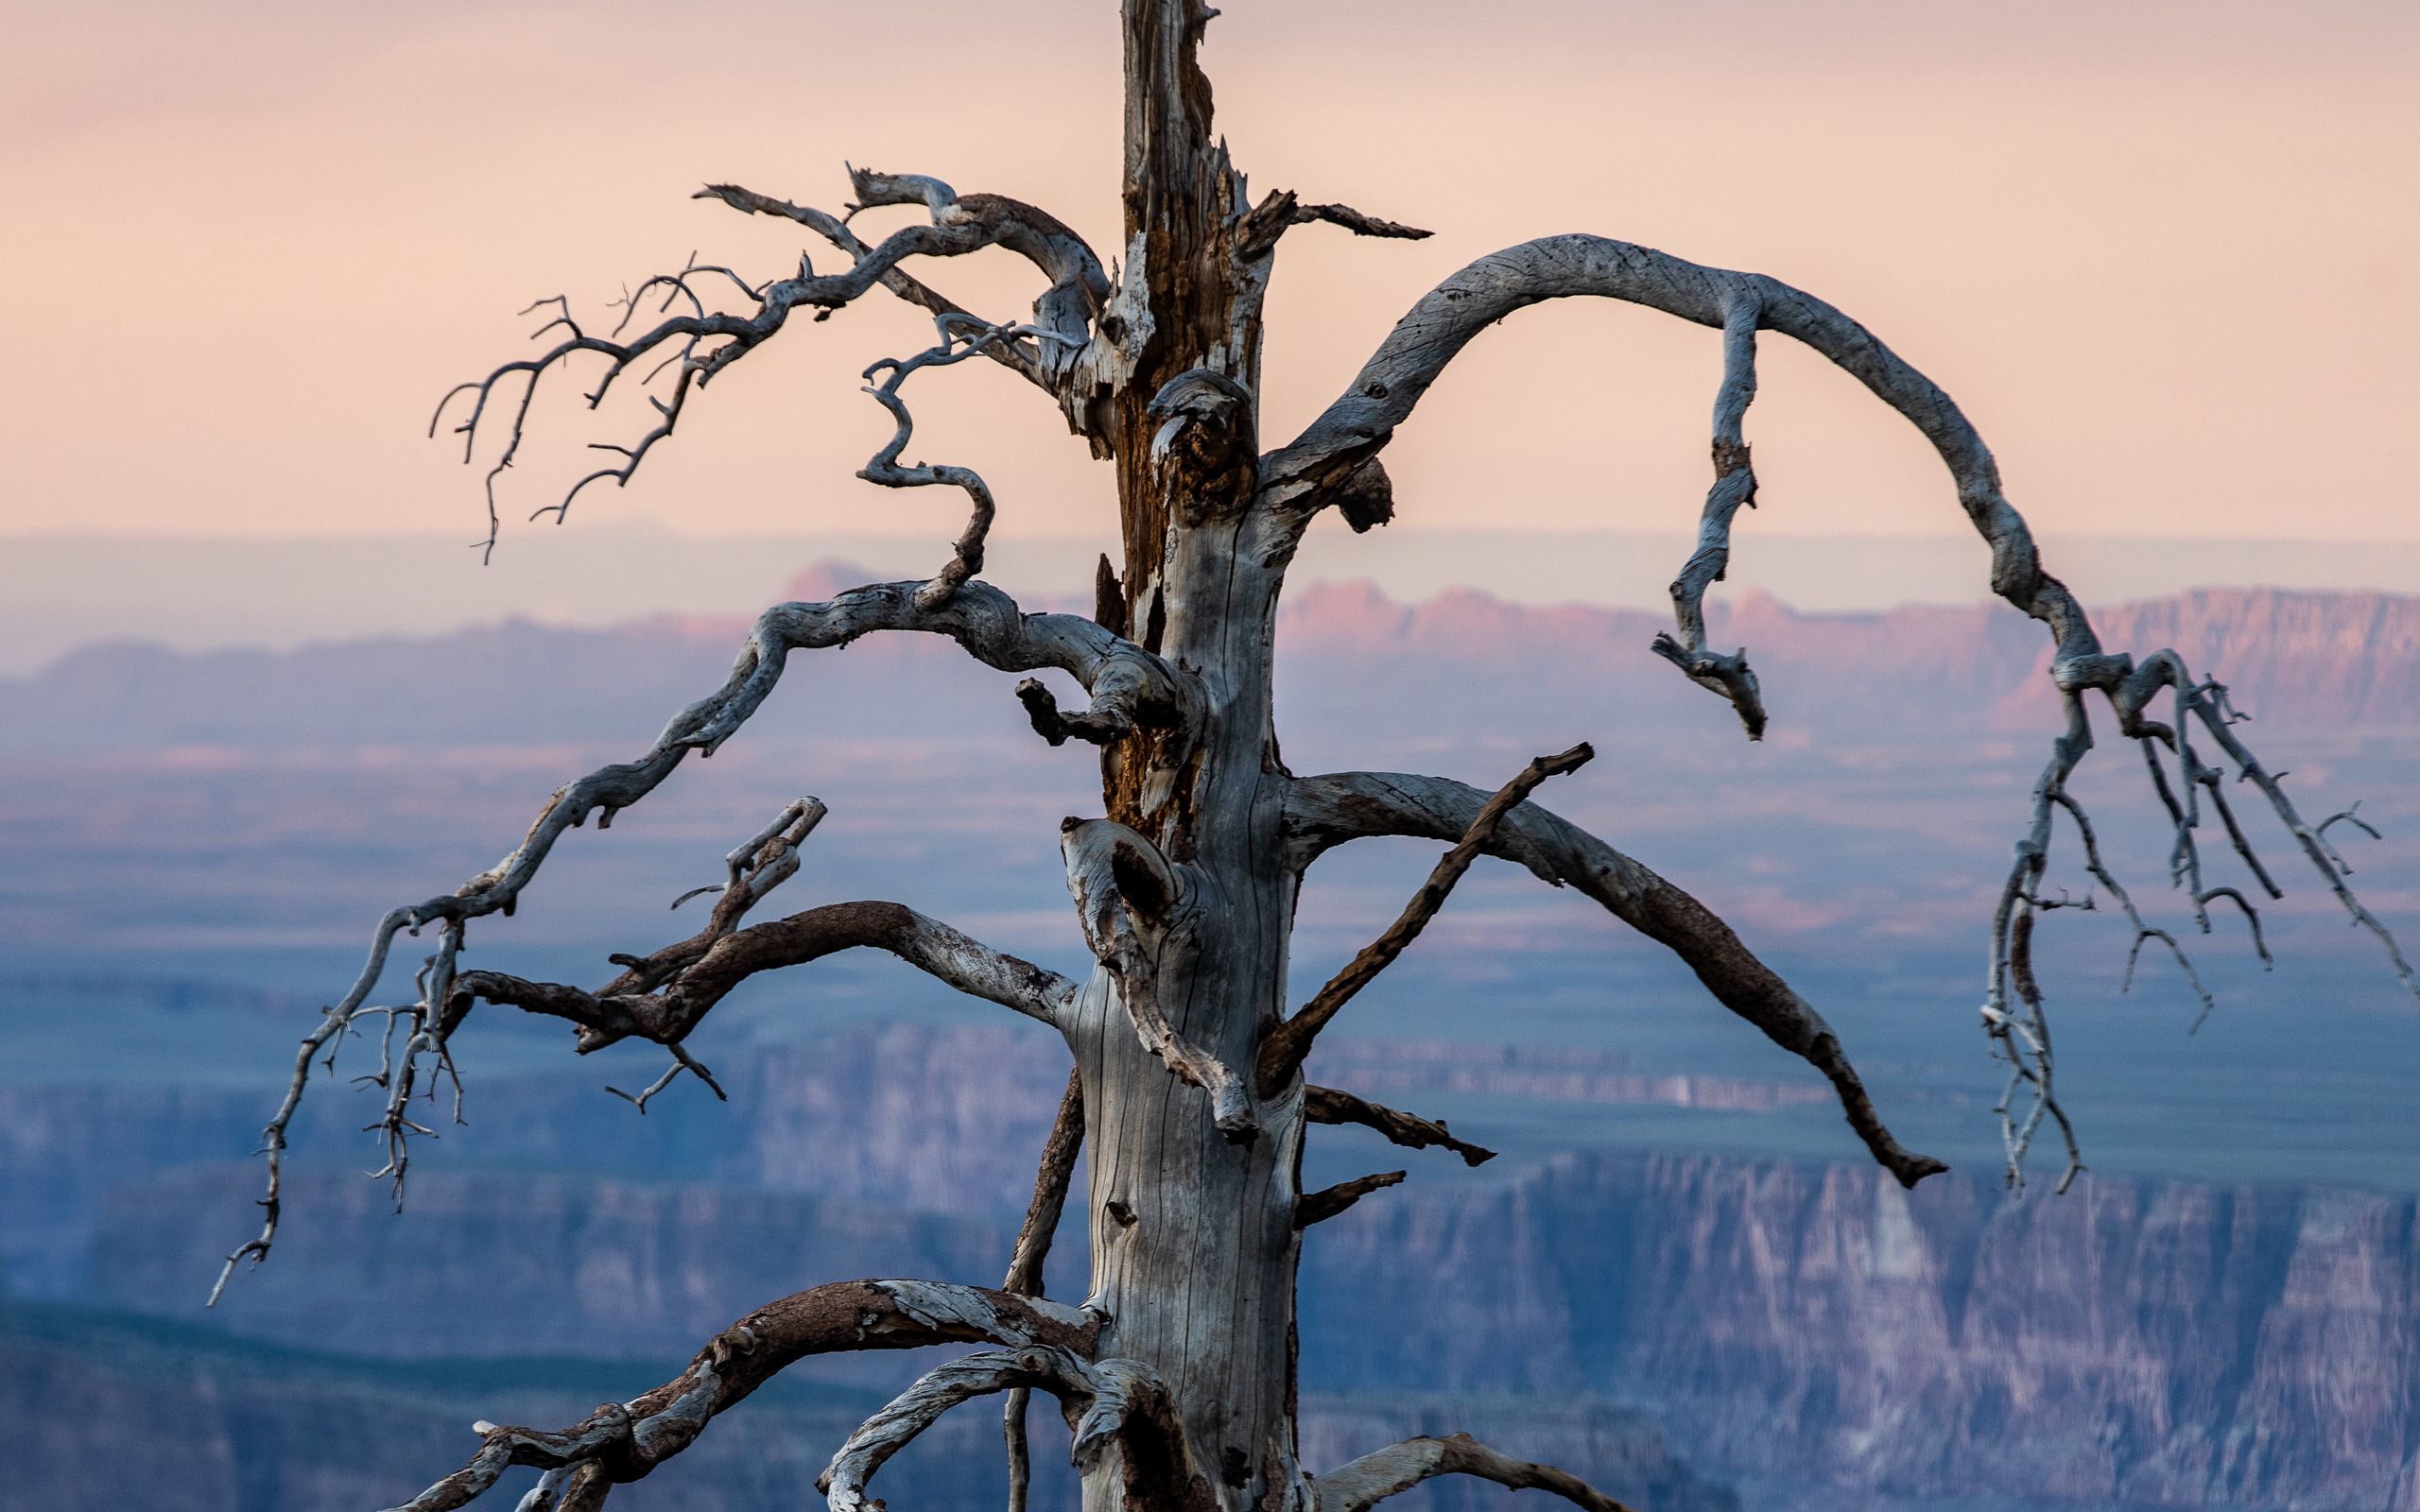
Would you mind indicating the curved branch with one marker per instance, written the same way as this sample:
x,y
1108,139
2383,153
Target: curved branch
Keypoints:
x,y
1282,1052
624,1010
1127,684
1359,424
1079,288
1014,357
1322,811
1125,894
1326,1104
683,340
1373,1478
625,1441
966,555
1313,471
1109,1403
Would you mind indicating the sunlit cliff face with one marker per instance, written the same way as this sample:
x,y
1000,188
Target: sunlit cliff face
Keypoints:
x,y
2161,265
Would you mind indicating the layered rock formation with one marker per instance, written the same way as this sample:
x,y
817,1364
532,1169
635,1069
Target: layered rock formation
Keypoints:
x,y
2155,1343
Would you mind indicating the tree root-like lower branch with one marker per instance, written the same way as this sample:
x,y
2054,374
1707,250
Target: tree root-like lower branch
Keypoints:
x,y
625,1441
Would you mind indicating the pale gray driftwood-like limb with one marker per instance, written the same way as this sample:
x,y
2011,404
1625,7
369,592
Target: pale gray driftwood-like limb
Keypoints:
x,y
668,1013
1111,1404
1398,1468
1283,1049
1079,288
697,344
626,1441
1017,357
960,340
1127,685
1735,484
2014,1013
1126,893
1389,384
1322,811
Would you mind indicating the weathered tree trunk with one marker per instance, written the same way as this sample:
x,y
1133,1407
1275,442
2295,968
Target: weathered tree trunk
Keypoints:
x,y
1193,1231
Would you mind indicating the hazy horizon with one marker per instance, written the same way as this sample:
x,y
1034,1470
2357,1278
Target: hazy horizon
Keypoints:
x,y
61,592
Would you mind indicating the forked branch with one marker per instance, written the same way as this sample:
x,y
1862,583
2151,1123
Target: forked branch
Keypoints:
x,y
1373,1478
1112,1405
1312,473
1283,1051
1127,683
1322,811
626,1441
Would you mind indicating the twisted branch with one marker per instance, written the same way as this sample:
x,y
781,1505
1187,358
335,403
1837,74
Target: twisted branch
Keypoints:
x,y
1127,684
1735,484
1109,1403
626,1441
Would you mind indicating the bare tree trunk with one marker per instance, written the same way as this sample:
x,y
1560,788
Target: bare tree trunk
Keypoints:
x,y
1193,1230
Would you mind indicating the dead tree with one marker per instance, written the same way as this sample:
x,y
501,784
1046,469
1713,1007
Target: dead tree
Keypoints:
x,y
1176,1371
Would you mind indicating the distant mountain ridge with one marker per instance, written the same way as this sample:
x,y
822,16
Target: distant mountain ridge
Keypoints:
x,y
2334,659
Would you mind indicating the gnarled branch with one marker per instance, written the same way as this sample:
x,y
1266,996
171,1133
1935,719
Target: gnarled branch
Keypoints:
x,y
626,1010
1373,1478
1735,484
1326,811
1282,1050
1127,683
625,1441
702,342
1326,1104
1389,384
1109,1403
1280,210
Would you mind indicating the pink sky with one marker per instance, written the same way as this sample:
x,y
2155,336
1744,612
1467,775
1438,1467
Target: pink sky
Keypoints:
x,y
2161,253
